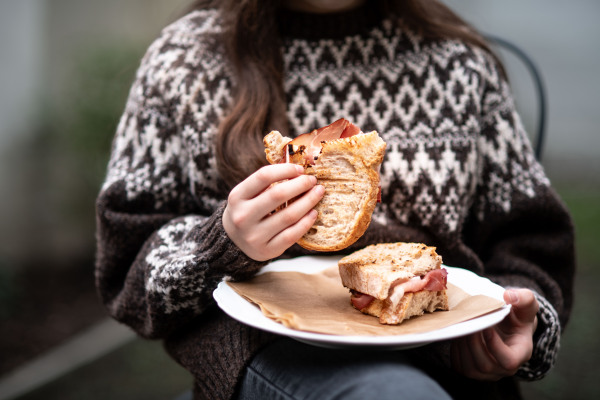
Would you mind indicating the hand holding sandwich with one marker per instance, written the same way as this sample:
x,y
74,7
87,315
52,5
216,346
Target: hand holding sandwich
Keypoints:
x,y
499,351
345,163
248,217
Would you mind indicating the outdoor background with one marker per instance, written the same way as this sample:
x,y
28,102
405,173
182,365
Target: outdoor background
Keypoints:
x,y
65,69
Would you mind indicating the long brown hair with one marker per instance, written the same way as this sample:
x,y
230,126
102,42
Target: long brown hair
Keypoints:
x,y
253,44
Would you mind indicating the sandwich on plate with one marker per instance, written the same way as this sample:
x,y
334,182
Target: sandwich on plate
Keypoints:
x,y
395,281
346,163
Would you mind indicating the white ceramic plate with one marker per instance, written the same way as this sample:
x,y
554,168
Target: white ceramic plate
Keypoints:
x,y
240,309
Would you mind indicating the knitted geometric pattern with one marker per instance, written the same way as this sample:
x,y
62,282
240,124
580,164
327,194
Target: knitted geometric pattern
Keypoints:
x,y
442,108
456,153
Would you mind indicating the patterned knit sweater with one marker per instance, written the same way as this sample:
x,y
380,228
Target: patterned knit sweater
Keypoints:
x,y
459,174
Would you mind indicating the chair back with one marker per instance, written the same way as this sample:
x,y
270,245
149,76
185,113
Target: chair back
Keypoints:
x,y
506,47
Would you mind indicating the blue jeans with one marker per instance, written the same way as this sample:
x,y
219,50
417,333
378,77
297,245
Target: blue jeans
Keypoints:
x,y
290,370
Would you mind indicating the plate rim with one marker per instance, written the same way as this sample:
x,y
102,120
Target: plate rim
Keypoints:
x,y
260,321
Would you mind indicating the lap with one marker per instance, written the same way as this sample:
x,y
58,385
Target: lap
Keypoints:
x,y
288,369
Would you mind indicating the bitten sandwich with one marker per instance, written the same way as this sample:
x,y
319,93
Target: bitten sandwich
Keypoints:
x,y
346,163
395,281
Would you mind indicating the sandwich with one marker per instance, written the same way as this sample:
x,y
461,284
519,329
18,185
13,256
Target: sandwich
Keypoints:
x,y
395,281
346,163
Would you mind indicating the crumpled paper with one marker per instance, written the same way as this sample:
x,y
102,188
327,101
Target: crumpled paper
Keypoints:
x,y
320,303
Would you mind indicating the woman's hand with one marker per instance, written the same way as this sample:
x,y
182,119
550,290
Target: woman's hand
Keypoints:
x,y
248,217
499,351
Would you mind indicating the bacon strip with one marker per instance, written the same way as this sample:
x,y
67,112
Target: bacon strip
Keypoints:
x,y
310,144
436,280
433,281
360,300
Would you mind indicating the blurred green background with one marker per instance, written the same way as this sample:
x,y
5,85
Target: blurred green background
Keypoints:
x,y
65,71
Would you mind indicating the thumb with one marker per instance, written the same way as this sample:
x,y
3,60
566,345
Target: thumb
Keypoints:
x,y
523,302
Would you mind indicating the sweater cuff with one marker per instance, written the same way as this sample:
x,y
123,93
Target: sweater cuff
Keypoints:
x,y
546,343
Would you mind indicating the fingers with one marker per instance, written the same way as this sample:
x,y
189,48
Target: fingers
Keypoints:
x,y
499,351
489,356
283,192
293,233
256,197
292,222
485,365
259,181
524,304
471,358
297,209
247,218
509,353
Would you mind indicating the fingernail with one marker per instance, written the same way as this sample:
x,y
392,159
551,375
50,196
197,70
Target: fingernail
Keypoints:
x,y
300,169
320,190
513,297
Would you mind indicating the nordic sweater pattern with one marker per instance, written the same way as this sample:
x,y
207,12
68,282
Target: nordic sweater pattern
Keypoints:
x,y
459,173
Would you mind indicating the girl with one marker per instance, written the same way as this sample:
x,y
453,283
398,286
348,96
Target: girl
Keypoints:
x,y
183,205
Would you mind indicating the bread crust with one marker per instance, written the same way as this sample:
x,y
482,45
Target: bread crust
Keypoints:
x,y
348,169
411,305
377,269
274,143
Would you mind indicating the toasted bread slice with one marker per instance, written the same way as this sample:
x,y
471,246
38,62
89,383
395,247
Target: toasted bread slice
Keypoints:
x,y
375,269
411,305
348,169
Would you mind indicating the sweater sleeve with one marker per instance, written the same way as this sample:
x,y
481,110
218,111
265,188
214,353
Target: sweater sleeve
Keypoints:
x,y
520,228
161,251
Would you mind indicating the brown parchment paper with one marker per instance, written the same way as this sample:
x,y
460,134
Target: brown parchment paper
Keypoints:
x,y
320,303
